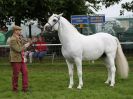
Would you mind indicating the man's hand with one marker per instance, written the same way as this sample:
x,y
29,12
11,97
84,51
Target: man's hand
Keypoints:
x,y
36,50
27,45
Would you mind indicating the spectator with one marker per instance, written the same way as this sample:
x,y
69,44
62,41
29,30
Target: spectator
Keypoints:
x,y
30,51
40,49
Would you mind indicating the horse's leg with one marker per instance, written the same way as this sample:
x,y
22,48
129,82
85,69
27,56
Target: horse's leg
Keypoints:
x,y
108,68
112,68
78,62
70,69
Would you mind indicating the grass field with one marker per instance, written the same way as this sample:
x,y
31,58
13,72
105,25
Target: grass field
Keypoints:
x,y
50,81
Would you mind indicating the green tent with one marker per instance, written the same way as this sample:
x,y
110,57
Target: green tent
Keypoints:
x,y
8,34
2,38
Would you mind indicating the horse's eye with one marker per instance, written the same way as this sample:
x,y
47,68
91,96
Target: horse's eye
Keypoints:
x,y
54,20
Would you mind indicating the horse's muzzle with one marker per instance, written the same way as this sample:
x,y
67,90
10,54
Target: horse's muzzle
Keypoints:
x,y
48,28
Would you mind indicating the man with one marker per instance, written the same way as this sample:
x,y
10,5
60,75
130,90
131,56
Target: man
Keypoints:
x,y
31,49
40,49
17,48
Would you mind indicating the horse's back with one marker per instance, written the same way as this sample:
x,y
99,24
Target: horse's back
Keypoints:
x,y
109,41
102,34
94,46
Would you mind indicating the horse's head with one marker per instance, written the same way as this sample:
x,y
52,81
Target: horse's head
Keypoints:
x,y
53,22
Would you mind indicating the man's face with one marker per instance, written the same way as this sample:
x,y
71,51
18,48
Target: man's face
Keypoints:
x,y
18,32
40,38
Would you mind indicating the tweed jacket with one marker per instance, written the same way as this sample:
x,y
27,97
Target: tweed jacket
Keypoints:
x,y
16,48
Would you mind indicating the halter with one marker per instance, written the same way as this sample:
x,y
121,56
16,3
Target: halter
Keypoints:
x,y
51,26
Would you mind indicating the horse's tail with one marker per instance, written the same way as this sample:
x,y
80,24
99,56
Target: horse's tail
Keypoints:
x,y
121,61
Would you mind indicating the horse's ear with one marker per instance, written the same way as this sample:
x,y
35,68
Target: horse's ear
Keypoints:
x,y
61,14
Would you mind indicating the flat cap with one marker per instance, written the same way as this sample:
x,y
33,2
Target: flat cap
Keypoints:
x,y
15,27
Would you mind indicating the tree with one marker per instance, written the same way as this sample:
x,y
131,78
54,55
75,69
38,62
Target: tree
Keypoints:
x,y
21,9
128,6
41,9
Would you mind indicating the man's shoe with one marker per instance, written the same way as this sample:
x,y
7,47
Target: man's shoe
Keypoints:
x,y
15,90
25,90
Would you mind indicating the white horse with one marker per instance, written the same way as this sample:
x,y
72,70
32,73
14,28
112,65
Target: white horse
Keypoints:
x,y
77,47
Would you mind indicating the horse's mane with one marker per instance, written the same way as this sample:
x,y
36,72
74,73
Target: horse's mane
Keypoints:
x,y
69,25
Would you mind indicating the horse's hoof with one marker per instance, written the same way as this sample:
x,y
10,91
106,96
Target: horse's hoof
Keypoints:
x,y
111,85
106,82
70,86
79,87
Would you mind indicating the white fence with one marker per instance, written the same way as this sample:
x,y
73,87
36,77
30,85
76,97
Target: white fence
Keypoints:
x,y
36,45
54,51
127,43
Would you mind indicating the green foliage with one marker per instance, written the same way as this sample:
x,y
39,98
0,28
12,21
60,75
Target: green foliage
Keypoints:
x,y
22,9
40,8
128,6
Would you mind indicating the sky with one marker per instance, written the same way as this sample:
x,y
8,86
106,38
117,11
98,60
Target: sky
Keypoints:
x,y
114,11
